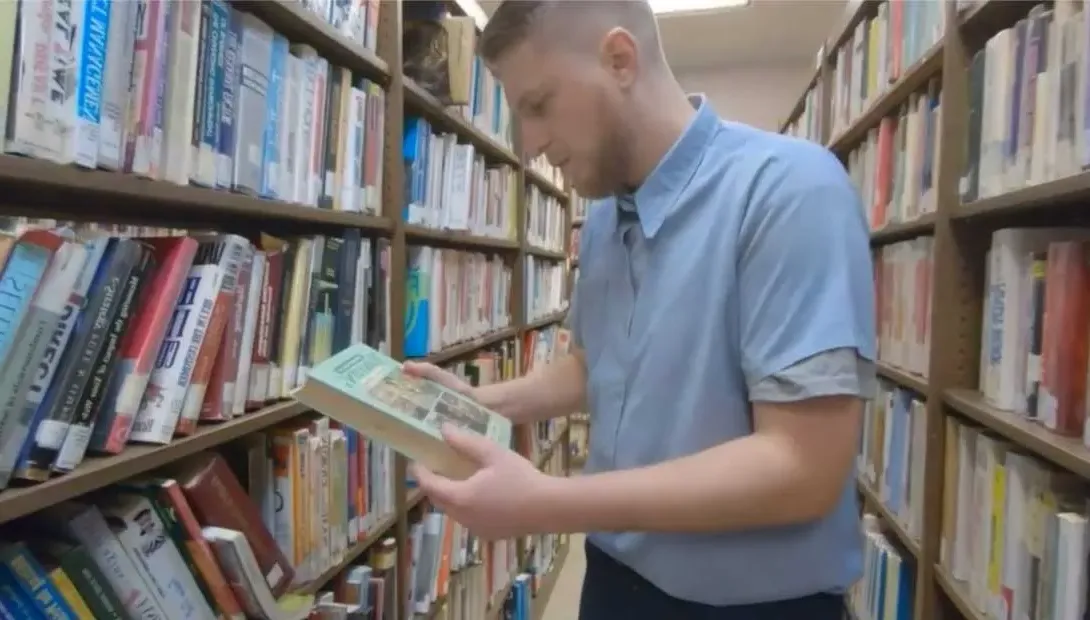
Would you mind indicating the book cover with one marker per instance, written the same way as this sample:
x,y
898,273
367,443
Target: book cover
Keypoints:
x,y
368,391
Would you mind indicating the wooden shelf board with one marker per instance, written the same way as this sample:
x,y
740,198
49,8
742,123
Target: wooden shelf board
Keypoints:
x,y
301,25
457,239
872,501
547,254
96,472
957,594
904,379
545,184
912,80
422,103
548,583
1067,452
545,321
900,231
50,188
1066,192
465,348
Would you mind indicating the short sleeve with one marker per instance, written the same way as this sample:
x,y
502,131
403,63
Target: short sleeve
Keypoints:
x,y
805,280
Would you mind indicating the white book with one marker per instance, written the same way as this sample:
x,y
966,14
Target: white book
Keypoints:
x,y
249,333
181,90
112,126
129,580
239,565
1070,568
143,534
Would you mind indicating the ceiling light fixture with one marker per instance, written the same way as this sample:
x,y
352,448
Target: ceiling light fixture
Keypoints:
x,y
674,7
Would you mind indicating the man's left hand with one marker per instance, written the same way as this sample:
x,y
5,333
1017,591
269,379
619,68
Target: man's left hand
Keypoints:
x,y
500,500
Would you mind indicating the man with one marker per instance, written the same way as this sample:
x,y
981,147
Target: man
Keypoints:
x,y
723,339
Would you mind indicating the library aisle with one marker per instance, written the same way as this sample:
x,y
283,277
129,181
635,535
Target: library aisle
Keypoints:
x,y
564,602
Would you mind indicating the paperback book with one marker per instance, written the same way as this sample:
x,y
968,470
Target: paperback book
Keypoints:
x,y
368,391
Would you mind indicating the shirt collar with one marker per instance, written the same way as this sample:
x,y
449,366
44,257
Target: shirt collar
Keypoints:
x,y
656,198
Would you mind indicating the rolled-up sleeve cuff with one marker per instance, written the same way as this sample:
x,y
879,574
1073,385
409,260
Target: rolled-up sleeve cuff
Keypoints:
x,y
837,372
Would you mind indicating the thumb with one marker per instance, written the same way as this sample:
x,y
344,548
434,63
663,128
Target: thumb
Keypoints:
x,y
476,448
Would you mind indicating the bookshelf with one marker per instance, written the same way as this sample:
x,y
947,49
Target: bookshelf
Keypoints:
x,y
974,463
520,241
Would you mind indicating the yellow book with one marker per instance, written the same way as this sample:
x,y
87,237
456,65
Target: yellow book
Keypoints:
x,y
71,596
999,507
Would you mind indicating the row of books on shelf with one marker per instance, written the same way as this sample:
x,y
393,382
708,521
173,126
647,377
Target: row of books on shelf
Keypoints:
x,y
547,171
1027,96
546,222
453,297
903,276
880,50
886,589
248,531
113,339
193,542
1034,337
449,185
545,288
158,89
892,454
1014,529
579,205
896,165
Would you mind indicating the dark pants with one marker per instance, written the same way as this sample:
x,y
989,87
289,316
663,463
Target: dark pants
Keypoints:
x,y
612,591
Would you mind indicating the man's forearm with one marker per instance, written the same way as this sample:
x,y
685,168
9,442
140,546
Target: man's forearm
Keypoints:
x,y
548,391
751,482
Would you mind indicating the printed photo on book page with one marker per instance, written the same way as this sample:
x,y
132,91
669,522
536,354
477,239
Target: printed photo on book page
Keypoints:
x,y
377,381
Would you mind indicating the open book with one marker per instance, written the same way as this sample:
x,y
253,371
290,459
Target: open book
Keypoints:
x,y
366,390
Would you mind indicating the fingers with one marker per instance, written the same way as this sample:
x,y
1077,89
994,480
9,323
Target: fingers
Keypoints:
x,y
442,491
476,448
432,372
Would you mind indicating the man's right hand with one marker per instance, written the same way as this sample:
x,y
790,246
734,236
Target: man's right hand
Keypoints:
x,y
445,378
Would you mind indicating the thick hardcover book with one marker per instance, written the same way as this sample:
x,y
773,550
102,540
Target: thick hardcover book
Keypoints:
x,y
367,391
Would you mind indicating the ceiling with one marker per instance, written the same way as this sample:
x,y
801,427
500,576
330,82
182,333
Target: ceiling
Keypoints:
x,y
773,32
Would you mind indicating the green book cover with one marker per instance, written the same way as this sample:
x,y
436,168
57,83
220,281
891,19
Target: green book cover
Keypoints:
x,y
377,383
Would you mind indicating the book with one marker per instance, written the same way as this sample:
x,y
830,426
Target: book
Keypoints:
x,y
369,391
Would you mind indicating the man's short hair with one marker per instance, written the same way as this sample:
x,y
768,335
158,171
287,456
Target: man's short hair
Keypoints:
x,y
514,21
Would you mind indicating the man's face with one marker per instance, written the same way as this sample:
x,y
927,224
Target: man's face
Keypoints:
x,y
570,110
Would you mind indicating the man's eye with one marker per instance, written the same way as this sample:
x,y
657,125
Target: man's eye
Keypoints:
x,y
537,109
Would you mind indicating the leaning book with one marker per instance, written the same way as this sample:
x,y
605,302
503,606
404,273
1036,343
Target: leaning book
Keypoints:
x,y
366,390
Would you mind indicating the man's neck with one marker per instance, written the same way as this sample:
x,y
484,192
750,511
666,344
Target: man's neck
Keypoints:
x,y
663,114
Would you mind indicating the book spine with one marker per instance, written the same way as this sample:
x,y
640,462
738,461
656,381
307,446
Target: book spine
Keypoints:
x,y
200,93
213,90
92,585
249,333
116,85
66,46
230,253
220,395
226,152
270,181
255,60
180,84
89,82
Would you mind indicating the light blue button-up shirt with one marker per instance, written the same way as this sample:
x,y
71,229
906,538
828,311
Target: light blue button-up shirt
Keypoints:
x,y
739,271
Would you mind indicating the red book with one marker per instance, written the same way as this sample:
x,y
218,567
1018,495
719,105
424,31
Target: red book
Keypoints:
x,y
1065,336
218,500
220,396
139,349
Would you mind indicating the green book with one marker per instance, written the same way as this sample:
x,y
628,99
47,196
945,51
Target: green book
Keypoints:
x,y
367,391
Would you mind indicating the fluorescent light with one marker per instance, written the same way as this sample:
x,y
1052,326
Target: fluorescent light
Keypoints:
x,y
667,7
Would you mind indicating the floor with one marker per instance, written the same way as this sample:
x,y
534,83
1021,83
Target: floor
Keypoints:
x,y
564,602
